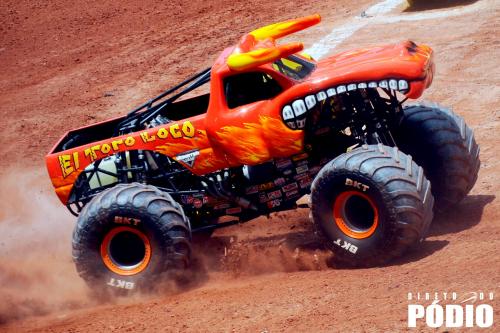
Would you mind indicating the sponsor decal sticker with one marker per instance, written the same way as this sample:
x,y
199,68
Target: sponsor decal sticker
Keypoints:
x,y
290,187
266,186
292,194
279,181
275,194
274,203
305,182
263,197
301,169
188,158
283,163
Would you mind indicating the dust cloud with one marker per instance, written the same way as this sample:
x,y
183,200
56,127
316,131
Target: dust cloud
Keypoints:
x,y
37,275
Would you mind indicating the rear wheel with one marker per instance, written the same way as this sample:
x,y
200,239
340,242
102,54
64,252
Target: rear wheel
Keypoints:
x,y
442,143
371,205
129,237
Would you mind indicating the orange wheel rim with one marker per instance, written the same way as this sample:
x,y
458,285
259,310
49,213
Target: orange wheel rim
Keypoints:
x,y
119,267
344,223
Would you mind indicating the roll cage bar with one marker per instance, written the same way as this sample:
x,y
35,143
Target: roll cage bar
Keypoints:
x,y
136,118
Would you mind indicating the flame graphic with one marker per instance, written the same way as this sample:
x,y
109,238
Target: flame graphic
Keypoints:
x,y
283,141
255,143
244,144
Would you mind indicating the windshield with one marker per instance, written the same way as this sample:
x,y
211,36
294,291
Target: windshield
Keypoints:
x,y
294,67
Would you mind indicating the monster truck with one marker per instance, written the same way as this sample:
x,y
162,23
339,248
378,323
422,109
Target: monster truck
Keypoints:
x,y
276,125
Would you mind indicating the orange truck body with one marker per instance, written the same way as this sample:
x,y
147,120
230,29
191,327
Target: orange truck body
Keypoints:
x,y
254,133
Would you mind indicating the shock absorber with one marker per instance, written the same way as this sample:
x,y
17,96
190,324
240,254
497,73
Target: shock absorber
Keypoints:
x,y
347,117
141,175
376,114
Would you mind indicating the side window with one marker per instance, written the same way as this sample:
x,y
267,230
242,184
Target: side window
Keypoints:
x,y
251,87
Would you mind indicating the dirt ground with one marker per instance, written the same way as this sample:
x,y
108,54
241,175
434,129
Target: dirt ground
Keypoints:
x,y
64,64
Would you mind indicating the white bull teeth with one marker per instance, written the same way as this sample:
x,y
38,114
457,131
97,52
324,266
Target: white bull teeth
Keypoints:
x,y
403,85
287,113
393,84
299,108
351,87
321,96
310,101
301,123
331,92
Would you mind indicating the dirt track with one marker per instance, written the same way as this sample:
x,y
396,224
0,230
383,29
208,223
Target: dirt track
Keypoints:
x,y
57,64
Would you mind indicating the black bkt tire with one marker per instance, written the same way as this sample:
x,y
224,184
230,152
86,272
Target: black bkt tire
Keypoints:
x,y
371,205
442,143
129,236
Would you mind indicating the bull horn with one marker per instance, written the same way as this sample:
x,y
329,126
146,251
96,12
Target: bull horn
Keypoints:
x,y
282,29
247,60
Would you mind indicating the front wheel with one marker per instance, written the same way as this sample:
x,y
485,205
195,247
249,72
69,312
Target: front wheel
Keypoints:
x,y
128,238
371,205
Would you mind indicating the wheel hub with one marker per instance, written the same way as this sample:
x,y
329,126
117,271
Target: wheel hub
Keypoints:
x,y
126,251
355,214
